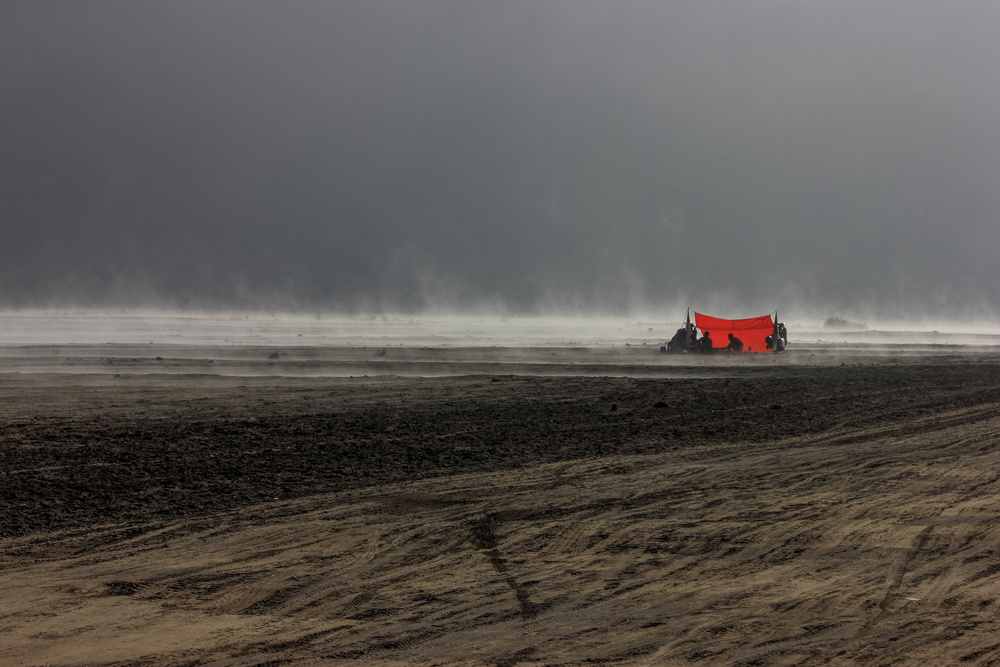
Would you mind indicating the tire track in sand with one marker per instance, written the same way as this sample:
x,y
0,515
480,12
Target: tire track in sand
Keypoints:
x,y
485,537
895,581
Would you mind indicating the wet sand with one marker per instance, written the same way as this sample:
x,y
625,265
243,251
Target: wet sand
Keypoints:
x,y
250,506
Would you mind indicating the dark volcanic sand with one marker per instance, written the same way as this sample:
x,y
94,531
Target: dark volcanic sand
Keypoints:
x,y
686,519
82,450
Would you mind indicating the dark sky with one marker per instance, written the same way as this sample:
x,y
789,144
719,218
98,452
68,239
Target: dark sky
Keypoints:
x,y
519,156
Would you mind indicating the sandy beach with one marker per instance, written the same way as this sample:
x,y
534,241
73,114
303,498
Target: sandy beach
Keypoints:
x,y
258,505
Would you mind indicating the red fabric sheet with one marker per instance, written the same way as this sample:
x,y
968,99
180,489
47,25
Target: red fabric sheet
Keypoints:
x,y
752,331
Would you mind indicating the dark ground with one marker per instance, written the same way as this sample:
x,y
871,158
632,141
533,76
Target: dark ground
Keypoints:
x,y
77,450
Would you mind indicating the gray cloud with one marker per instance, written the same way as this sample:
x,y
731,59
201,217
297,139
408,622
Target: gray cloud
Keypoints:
x,y
522,155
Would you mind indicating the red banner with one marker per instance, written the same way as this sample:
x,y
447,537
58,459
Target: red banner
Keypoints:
x,y
752,331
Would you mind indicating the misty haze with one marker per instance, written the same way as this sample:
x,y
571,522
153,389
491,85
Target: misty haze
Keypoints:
x,y
834,158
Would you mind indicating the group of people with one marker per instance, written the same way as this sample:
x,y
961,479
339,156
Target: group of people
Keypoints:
x,y
683,341
704,345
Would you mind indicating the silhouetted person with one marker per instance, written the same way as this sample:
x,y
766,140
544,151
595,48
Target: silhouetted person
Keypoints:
x,y
676,343
705,343
735,344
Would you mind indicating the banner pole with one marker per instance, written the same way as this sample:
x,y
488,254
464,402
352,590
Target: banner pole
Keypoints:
x,y
774,335
687,329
